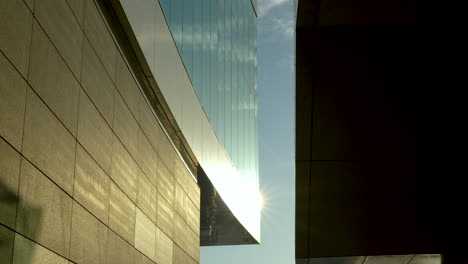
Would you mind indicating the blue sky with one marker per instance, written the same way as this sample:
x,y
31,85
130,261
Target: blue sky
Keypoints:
x,y
276,141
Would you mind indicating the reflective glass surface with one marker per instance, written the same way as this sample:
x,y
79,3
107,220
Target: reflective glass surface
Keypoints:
x,y
217,42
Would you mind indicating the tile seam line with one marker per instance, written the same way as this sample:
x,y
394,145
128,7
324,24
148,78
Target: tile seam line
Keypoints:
x,y
63,190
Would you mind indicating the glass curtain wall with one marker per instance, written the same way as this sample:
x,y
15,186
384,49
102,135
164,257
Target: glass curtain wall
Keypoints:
x,y
217,43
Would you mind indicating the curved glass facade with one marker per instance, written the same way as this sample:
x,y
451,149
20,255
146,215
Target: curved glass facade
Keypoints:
x,y
217,42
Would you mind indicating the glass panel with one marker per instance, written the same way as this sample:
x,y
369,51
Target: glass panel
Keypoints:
x,y
228,97
214,64
221,89
206,56
217,40
235,108
166,6
176,21
228,15
197,47
187,30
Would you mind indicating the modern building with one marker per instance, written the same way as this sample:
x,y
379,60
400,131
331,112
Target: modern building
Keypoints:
x,y
128,130
371,182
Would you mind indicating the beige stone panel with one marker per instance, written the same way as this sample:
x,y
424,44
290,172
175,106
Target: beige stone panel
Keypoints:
x,y
164,248
30,4
149,124
124,170
26,251
97,83
99,37
119,251
127,87
62,28
44,210
125,125
180,201
166,183
145,235
122,214
50,77
7,238
12,102
165,216
142,259
193,217
92,185
168,154
147,158
15,33
94,133
88,237
147,197
9,182
77,7
48,144
181,257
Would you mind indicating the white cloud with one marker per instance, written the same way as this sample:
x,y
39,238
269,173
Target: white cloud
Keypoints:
x,y
284,26
266,5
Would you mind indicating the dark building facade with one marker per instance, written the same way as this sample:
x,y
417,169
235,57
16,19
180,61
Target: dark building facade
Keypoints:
x,y
368,177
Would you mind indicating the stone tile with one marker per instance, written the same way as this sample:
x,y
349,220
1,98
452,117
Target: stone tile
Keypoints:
x,y
142,259
99,37
193,191
97,83
193,245
390,259
149,124
119,251
165,216
62,28
127,87
164,248
15,41
125,125
94,133
180,257
180,201
147,197
50,77
180,235
185,238
426,259
166,183
124,170
88,237
92,185
7,238
44,210
77,7
181,174
145,235
167,153
9,182
193,217
48,144
12,102
26,251
146,157
30,4
122,214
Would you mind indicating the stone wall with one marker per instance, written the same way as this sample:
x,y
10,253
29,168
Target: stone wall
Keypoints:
x,y
87,174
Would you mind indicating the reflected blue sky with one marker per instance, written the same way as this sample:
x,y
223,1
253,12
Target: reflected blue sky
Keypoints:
x,y
276,142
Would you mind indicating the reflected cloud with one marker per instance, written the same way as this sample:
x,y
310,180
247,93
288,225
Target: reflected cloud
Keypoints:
x,y
266,5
